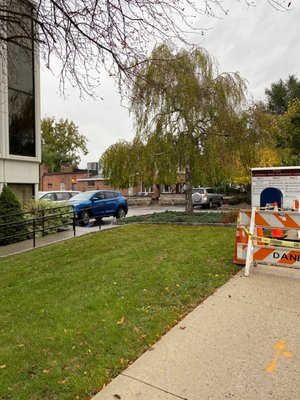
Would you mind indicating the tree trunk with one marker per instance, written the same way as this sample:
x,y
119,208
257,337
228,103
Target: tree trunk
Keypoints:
x,y
188,191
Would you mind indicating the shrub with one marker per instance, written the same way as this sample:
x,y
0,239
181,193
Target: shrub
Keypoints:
x,y
230,217
11,212
50,217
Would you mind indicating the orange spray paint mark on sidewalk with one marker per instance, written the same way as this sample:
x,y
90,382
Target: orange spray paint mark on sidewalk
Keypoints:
x,y
281,351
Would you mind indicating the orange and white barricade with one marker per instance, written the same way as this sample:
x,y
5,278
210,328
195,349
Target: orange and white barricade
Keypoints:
x,y
271,250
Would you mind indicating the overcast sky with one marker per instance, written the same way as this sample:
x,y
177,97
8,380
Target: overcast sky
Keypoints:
x,y
260,43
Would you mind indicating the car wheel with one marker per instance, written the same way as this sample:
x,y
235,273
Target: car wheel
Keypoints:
x,y
210,205
84,218
121,213
220,203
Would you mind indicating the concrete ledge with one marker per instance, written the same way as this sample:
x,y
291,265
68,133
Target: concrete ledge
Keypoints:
x,y
171,199
139,201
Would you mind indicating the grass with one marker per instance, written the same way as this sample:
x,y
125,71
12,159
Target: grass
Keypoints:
x,y
74,314
175,217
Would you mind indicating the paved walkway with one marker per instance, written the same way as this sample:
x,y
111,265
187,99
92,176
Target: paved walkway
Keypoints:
x,y
242,343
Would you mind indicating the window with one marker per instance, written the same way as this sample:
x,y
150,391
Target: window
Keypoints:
x,y
91,183
49,185
166,188
201,191
111,195
60,196
99,196
48,197
20,67
62,186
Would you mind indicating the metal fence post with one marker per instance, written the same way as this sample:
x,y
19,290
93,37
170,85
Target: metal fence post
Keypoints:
x,y
43,223
5,231
33,228
74,223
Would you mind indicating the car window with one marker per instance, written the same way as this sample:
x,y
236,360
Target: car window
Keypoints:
x,y
99,196
82,196
48,197
111,195
201,191
210,190
61,196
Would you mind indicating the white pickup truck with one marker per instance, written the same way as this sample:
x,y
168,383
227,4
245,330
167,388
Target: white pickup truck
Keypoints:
x,y
206,197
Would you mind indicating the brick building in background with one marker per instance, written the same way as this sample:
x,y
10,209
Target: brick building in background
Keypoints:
x,y
72,178
66,179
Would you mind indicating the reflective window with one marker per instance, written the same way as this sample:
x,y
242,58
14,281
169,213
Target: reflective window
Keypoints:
x,y
48,196
201,191
20,66
62,196
21,124
111,195
20,71
99,196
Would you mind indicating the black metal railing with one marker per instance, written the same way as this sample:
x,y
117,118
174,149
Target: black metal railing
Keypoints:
x,y
17,227
39,223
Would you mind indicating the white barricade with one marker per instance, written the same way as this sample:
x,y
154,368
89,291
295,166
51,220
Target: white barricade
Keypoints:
x,y
268,250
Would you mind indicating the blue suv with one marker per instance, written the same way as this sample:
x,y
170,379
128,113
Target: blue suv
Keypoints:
x,y
98,204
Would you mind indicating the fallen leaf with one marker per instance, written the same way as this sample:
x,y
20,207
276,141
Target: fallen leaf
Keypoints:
x,y
122,321
46,371
63,382
117,396
182,327
2,366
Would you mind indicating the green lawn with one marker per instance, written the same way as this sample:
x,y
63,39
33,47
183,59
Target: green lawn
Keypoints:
x,y
220,217
74,314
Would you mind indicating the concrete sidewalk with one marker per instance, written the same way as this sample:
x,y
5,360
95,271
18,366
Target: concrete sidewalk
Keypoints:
x,y
241,343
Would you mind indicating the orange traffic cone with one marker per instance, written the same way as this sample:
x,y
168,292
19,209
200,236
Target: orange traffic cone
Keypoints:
x,y
275,206
241,240
277,233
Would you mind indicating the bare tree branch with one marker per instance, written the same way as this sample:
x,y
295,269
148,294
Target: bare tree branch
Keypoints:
x,y
89,35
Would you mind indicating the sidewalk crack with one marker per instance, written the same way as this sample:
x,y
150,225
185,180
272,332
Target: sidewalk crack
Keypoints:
x,y
155,387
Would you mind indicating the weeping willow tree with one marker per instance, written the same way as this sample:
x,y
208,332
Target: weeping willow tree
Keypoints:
x,y
189,120
182,107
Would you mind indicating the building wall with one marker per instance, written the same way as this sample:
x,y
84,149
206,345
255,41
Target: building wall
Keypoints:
x,y
61,181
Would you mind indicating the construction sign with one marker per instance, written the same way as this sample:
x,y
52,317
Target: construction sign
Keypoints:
x,y
252,247
277,255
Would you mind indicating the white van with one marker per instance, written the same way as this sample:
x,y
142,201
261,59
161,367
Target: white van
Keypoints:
x,y
57,195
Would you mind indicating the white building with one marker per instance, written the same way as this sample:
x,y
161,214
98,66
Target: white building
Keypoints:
x,y
20,138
